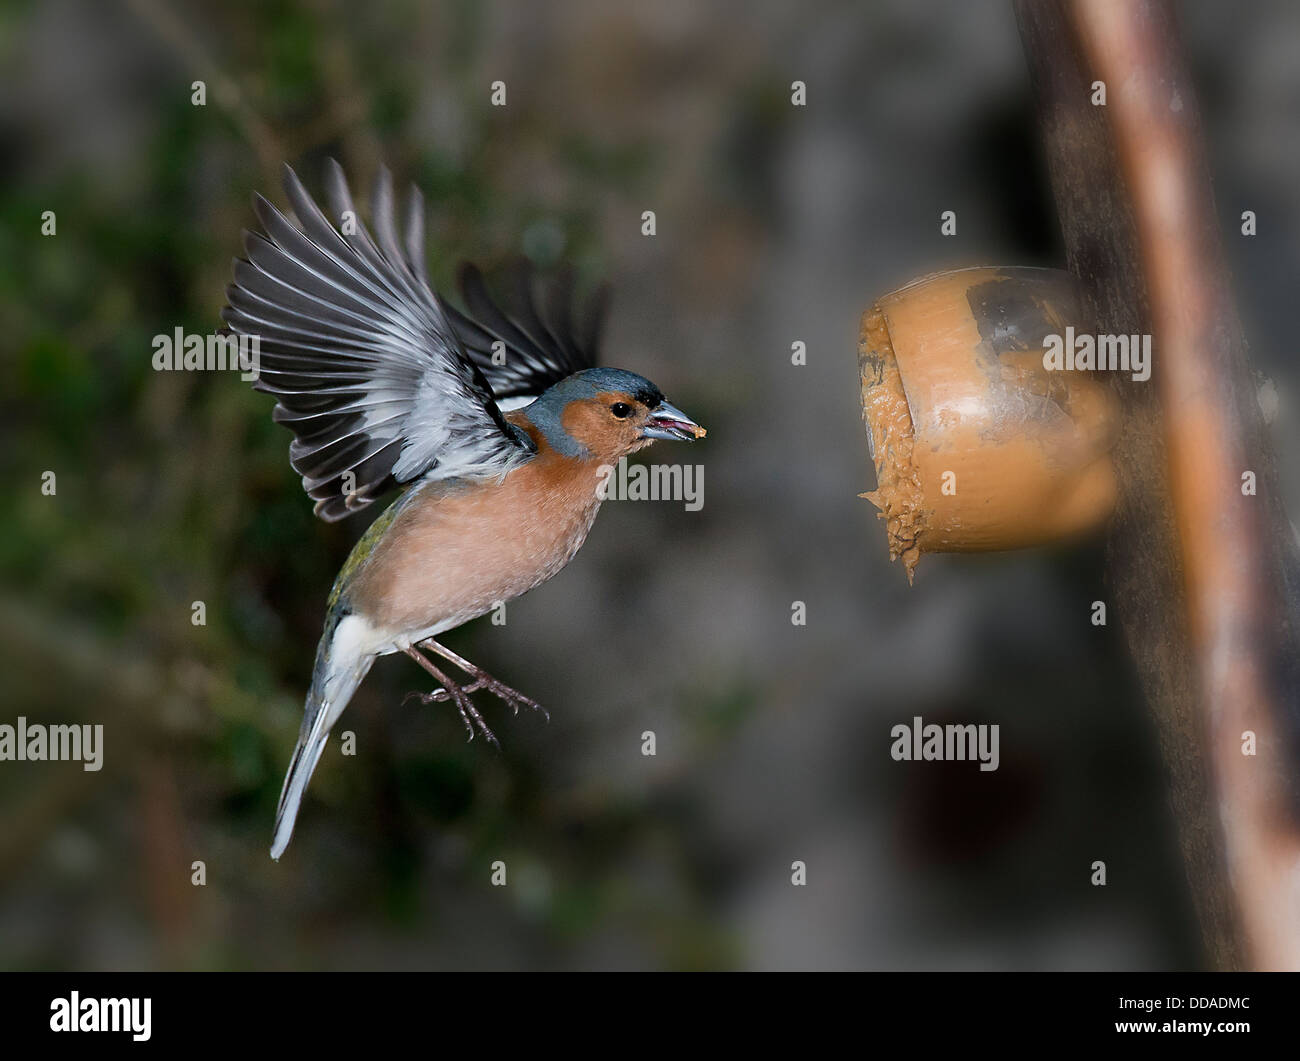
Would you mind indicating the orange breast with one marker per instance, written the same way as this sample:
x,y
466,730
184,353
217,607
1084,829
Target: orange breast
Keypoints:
x,y
453,555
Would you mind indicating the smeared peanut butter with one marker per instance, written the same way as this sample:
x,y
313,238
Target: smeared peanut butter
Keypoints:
x,y
898,492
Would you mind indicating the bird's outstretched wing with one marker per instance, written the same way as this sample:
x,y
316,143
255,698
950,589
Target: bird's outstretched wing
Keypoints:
x,y
369,373
523,343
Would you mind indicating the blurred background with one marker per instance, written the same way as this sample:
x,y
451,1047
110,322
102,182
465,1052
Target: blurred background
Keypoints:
x,y
775,224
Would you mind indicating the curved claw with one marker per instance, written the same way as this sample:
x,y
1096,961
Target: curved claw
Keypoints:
x,y
438,696
480,679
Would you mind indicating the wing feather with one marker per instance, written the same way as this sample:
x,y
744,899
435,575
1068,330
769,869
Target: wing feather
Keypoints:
x,y
540,341
368,370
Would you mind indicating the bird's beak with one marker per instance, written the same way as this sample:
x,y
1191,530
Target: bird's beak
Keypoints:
x,y
669,422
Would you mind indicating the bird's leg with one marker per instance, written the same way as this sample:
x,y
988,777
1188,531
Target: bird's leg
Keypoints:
x,y
483,680
451,691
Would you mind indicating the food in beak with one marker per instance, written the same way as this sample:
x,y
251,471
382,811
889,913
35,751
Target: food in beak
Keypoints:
x,y
668,422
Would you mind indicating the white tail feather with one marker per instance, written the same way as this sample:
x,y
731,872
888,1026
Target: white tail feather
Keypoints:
x,y
341,665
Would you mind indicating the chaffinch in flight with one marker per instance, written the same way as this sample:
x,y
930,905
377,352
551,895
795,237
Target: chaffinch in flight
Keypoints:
x,y
385,384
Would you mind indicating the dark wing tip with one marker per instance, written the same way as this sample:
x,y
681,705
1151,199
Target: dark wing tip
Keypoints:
x,y
533,314
265,210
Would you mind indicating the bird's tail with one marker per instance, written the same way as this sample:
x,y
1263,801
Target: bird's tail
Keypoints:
x,y
339,669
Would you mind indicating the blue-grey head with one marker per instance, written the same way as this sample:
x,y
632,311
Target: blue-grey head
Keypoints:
x,y
607,413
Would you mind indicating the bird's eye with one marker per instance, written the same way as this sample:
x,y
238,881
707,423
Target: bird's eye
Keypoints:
x,y
621,410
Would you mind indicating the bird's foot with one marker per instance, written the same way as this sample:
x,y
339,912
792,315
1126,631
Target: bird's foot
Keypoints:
x,y
460,694
483,680
505,693
457,694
